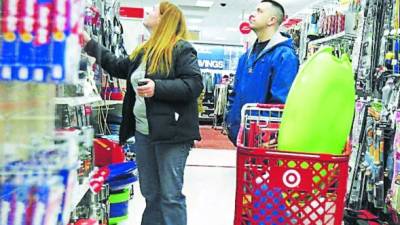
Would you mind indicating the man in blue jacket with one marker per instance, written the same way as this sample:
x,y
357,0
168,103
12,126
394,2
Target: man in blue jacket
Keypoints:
x,y
266,72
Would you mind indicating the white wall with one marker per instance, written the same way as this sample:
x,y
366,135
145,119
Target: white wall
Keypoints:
x,y
134,32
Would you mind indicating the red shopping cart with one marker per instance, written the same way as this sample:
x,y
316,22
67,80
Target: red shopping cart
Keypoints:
x,y
284,188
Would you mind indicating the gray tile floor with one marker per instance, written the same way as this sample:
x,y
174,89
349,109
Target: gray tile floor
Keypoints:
x,y
209,188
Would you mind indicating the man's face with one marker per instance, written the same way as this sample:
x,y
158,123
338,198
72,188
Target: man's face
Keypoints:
x,y
262,17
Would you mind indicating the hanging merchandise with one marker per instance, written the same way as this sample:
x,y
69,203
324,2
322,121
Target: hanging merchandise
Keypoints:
x,y
374,159
295,32
317,118
357,141
102,22
327,21
394,193
34,47
221,100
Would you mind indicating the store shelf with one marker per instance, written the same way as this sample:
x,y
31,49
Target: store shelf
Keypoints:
x,y
76,101
206,118
27,117
107,103
342,35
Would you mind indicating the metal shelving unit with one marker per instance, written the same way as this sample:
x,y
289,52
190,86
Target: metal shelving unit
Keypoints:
x,y
76,101
341,35
107,103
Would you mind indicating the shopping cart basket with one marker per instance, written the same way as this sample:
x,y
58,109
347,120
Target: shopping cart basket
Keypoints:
x,y
284,188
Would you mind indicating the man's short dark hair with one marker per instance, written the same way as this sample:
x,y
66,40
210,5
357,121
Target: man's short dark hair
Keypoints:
x,y
279,7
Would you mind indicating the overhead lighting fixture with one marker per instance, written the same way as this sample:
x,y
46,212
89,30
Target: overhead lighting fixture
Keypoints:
x,y
194,20
231,29
201,3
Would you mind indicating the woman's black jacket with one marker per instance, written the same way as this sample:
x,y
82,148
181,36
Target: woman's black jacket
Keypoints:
x,y
172,112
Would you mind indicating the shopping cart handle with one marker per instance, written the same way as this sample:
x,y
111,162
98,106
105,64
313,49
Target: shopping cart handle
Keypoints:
x,y
270,106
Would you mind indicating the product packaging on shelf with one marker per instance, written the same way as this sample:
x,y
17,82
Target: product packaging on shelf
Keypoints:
x,y
39,40
394,194
34,199
26,50
9,41
68,15
39,190
42,42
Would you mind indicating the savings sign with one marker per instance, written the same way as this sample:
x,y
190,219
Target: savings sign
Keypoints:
x,y
210,57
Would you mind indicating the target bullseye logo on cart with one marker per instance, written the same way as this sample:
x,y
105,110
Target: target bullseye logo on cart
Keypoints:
x,y
291,178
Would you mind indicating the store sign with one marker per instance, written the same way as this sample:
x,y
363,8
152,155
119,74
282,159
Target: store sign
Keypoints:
x,y
245,28
210,56
218,57
211,64
131,12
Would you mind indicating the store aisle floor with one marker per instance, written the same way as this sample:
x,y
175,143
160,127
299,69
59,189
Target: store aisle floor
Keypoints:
x,y
214,139
209,187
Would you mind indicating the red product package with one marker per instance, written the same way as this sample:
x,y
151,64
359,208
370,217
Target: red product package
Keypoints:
x,y
107,152
87,222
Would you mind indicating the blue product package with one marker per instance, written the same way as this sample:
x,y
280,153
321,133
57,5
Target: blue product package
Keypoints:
x,y
9,40
7,203
66,47
116,185
120,169
66,178
22,201
119,209
55,200
59,38
26,50
396,67
42,196
42,41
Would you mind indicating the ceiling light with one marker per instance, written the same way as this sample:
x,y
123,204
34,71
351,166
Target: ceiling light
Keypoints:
x,y
194,20
231,29
201,3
